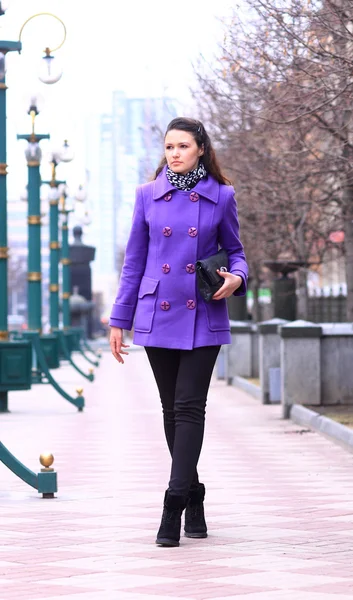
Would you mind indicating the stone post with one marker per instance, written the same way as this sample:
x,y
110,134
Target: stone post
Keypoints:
x,y
300,365
221,363
269,353
239,352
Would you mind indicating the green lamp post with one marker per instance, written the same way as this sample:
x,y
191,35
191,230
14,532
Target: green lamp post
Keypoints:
x,y
73,335
54,196
65,261
46,347
15,357
57,192
33,155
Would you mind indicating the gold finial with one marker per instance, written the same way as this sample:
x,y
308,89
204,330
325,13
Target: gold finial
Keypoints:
x,y
91,370
79,391
46,459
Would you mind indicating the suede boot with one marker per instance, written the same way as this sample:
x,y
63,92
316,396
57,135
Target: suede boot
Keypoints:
x,y
169,531
195,524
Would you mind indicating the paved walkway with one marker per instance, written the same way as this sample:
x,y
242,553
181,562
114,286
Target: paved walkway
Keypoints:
x,y
279,500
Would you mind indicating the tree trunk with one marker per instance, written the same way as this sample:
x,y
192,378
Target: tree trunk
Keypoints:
x,y
255,287
302,299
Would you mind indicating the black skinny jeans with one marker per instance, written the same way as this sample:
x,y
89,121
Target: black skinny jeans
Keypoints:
x,y
183,378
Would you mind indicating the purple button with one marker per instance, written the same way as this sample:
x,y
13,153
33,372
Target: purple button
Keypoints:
x,y
191,304
168,197
167,231
190,268
165,305
194,196
192,232
165,268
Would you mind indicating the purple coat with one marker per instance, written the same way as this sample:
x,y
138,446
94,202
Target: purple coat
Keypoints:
x,y
170,230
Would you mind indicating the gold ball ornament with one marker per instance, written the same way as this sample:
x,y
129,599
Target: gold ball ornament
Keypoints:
x,y
46,459
91,370
79,391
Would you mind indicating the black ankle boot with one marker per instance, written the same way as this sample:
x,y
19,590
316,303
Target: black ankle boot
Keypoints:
x,y
195,524
169,531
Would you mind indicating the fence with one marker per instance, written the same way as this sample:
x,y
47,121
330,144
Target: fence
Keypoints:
x,y
324,306
327,308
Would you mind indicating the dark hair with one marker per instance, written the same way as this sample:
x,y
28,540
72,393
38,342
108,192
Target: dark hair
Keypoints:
x,y
201,137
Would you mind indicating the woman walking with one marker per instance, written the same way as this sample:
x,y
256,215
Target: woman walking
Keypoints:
x,y
185,214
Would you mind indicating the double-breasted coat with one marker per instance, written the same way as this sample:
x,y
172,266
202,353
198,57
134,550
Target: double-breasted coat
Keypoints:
x,y
171,230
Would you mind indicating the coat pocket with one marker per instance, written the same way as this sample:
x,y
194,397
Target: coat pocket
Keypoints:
x,y
146,304
217,315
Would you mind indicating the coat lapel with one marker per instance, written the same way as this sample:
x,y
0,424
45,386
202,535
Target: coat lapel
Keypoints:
x,y
207,187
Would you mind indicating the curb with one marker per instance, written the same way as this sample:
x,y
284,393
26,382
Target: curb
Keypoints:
x,y
335,431
251,389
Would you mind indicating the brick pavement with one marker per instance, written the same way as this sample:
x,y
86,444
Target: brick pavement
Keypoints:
x,y
279,502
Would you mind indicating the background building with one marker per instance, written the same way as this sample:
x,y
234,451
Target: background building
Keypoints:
x,y
123,150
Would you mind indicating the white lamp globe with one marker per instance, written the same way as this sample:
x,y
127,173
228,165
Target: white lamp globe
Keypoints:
x,y
33,153
66,152
50,70
80,195
54,194
86,220
34,102
63,189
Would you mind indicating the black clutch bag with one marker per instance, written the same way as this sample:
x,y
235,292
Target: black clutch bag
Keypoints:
x,y
208,280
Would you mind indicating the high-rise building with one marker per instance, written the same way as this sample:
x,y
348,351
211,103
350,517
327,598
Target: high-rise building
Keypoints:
x,y
138,128
123,149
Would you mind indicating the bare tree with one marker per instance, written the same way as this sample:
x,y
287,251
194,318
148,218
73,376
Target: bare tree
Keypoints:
x,y
278,103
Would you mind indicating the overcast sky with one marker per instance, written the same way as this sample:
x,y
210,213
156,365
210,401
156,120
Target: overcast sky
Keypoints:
x,y
142,47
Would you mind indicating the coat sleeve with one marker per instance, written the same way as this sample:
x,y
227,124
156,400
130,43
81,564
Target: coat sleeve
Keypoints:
x,y
228,238
123,311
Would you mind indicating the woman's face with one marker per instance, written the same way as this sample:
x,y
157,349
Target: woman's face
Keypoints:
x,y
181,151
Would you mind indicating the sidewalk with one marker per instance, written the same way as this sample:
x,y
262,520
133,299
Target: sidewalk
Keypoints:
x,y
279,500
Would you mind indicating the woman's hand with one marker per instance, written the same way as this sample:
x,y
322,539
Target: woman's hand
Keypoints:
x,y
231,283
116,343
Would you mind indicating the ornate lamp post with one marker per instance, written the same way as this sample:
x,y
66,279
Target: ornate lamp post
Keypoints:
x,y
66,336
65,260
16,356
75,335
65,155
45,348
57,192
33,155
5,47
50,71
